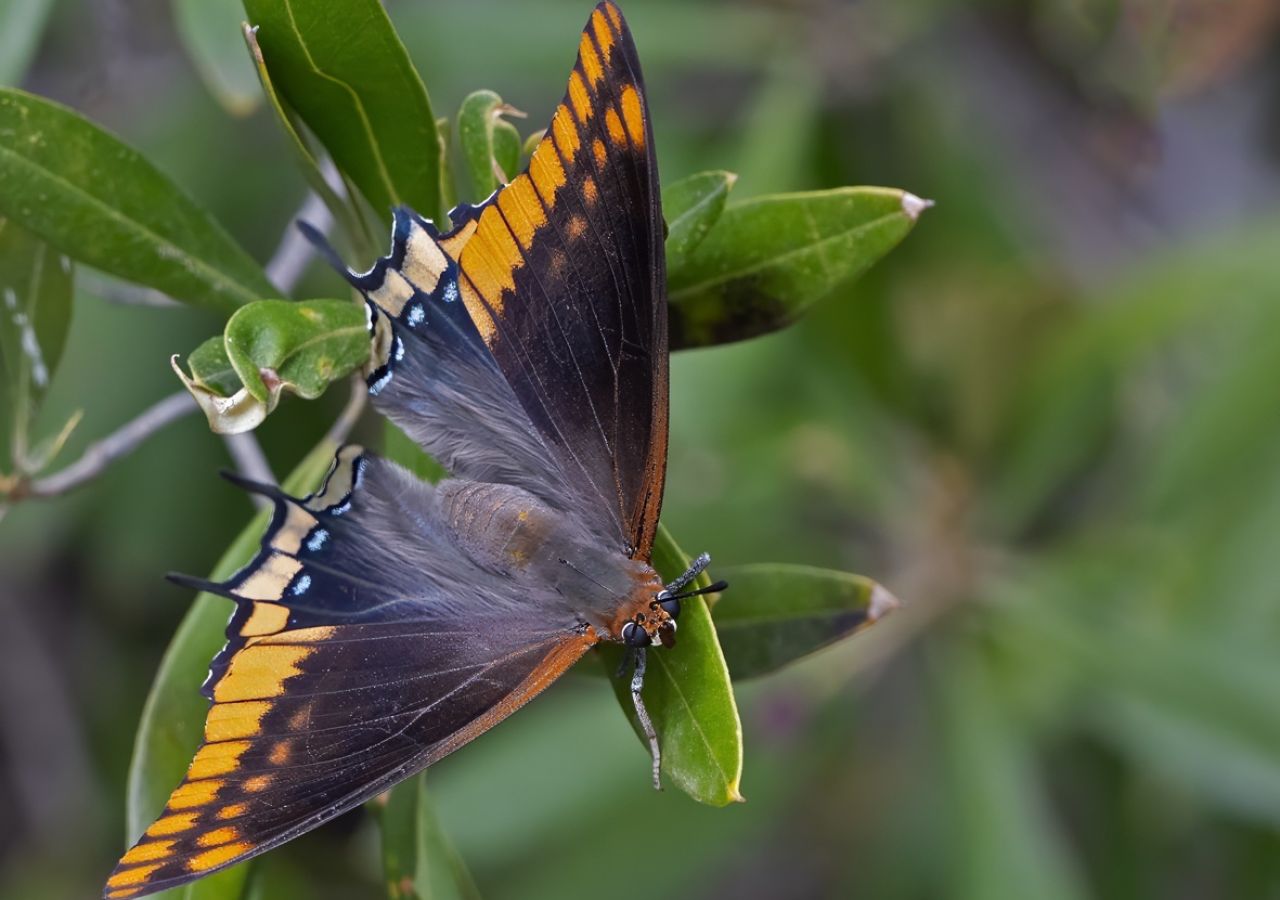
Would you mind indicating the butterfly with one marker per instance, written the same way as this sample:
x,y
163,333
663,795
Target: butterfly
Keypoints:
x,y
385,622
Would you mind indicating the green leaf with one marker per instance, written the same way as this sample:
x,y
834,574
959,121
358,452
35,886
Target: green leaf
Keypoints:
x,y
398,446
342,67
773,614
345,214
418,861
172,724
490,144
692,205
689,697
274,346
21,27
35,312
212,370
768,259
97,200
304,345
210,30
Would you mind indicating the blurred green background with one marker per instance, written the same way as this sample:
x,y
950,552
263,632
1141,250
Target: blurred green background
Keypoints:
x,y
1049,422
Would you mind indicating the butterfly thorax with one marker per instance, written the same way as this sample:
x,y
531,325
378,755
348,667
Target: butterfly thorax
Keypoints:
x,y
511,531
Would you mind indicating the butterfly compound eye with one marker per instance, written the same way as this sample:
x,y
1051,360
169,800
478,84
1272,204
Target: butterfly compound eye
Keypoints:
x,y
635,636
672,607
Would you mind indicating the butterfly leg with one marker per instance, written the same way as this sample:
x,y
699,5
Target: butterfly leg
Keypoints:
x,y
646,724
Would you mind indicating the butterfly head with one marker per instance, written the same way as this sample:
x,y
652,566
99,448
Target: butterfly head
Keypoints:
x,y
658,621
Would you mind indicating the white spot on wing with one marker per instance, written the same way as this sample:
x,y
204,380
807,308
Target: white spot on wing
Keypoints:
x,y
317,540
303,584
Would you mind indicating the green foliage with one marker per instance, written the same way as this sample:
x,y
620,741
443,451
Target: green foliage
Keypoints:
x,y
779,613
490,144
417,859
269,347
35,313
768,259
96,200
692,206
342,68
210,30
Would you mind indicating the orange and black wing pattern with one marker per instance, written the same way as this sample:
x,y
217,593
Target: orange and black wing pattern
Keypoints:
x,y
345,671
563,273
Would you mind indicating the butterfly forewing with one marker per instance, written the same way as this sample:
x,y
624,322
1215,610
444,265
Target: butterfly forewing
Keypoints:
x,y
563,275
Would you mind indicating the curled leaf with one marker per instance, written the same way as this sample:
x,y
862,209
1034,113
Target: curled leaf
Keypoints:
x,y
269,347
774,614
490,145
768,259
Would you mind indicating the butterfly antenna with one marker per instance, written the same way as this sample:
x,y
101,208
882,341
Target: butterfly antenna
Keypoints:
x,y
695,569
714,588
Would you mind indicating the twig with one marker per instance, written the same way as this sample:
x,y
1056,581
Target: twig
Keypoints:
x,y
346,421
251,463
100,454
294,253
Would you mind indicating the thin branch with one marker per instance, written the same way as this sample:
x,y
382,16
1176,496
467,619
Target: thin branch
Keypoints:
x,y
251,463
294,254
100,454
346,421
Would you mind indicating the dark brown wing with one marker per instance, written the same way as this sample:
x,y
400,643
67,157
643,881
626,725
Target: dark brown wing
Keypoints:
x,y
563,275
365,646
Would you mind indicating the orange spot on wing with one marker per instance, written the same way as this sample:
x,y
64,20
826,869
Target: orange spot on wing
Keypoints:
x,y
234,720
546,171
479,312
148,851
614,15
601,152
173,824
522,210
258,671
589,192
488,260
258,783
590,59
195,793
135,875
633,114
216,759
577,225
579,97
266,618
280,753
211,859
232,811
565,132
614,124
218,836
604,34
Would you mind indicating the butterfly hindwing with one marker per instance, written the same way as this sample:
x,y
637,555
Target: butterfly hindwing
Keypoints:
x,y
365,645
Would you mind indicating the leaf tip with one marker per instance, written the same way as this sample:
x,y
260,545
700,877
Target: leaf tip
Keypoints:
x,y
882,603
912,205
